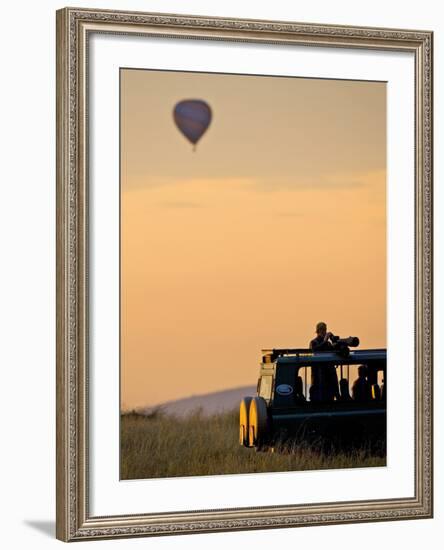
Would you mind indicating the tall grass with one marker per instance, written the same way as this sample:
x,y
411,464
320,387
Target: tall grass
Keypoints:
x,y
159,445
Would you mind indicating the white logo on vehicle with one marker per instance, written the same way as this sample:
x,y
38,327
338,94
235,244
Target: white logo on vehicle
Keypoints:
x,y
284,389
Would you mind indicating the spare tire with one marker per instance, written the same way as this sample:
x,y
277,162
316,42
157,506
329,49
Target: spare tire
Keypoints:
x,y
244,424
259,424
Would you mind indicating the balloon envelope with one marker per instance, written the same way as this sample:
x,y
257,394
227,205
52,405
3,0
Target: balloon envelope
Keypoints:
x,y
192,117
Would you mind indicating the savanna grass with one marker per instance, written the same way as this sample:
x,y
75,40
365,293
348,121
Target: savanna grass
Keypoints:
x,y
159,445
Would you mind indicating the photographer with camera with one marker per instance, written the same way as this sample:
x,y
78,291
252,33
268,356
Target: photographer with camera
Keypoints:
x,y
326,341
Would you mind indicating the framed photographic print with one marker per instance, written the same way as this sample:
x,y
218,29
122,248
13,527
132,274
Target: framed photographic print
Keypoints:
x,y
244,274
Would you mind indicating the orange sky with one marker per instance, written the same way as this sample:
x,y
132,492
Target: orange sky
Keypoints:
x,y
277,221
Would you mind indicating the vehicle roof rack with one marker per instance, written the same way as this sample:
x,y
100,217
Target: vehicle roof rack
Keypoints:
x,y
269,355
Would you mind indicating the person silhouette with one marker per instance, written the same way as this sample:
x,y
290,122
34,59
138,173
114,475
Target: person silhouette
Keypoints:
x,y
361,390
324,379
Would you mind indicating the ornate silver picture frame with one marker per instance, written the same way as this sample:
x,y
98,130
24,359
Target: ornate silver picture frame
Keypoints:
x,y
76,519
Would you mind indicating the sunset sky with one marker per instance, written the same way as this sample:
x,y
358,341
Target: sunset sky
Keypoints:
x,y
275,222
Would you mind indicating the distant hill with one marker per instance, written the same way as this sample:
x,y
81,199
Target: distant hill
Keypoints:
x,y
209,403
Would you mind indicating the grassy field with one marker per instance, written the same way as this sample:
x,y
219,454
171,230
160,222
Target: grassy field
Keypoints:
x,y
164,446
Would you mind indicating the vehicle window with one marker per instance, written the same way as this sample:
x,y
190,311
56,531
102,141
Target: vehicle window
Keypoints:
x,y
353,376
339,382
305,374
265,386
380,377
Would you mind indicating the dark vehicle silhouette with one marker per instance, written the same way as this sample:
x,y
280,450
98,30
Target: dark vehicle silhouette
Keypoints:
x,y
289,405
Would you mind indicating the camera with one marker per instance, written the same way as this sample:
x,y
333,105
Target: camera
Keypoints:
x,y
341,345
352,341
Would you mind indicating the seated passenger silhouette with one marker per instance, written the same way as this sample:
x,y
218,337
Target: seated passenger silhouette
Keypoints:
x,y
344,389
361,389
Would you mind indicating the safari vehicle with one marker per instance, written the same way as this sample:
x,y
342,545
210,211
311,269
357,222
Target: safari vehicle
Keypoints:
x,y
291,400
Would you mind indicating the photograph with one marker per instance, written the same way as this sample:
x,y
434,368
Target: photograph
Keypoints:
x,y
253,273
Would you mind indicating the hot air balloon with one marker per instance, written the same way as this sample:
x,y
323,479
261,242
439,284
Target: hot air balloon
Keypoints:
x,y
192,117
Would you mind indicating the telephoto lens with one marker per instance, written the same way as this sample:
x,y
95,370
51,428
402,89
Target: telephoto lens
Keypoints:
x,y
352,341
